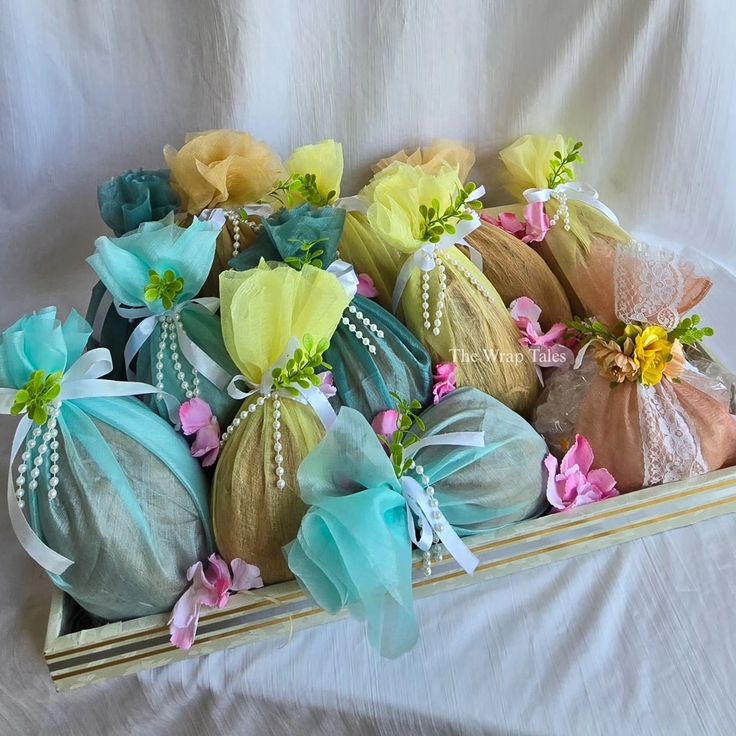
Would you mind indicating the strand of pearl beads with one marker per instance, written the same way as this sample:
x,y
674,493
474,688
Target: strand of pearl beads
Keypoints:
x,y
437,525
563,210
168,332
473,280
49,441
235,221
371,326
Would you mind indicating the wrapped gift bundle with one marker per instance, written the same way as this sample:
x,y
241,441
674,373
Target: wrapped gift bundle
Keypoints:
x,y
348,401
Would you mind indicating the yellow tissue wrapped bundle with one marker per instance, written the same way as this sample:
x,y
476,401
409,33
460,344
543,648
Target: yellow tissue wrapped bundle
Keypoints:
x,y
223,169
267,313
532,163
446,301
514,268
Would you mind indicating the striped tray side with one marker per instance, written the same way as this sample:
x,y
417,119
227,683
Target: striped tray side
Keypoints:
x,y
88,656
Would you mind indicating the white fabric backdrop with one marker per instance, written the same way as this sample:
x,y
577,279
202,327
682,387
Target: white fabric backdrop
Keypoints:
x,y
636,640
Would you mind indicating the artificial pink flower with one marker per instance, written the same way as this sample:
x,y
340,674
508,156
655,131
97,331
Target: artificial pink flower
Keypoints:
x,y
197,418
327,384
507,221
548,348
366,287
385,423
211,588
576,484
445,377
537,222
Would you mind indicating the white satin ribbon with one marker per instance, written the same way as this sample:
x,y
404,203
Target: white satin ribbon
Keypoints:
x,y
197,358
218,215
424,259
100,316
356,203
573,190
311,396
345,274
418,504
81,381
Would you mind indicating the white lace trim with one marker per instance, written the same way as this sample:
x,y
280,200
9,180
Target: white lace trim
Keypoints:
x,y
648,285
669,444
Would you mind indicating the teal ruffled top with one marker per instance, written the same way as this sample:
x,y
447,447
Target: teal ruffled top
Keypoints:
x,y
363,379
132,505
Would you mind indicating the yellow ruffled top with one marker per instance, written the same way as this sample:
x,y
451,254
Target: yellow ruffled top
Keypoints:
x,y
222,168
434,158
264,308
528,162
324,161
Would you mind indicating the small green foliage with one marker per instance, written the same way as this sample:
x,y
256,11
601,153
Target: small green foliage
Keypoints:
x,y
303,185
588,329
35,397
166,288
312,254
301,369
688,332
561,170
436,223
403,438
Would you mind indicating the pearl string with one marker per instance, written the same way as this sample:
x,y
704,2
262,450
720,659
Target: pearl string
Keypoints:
x,y
473,280
440,308
235,221
168,332
358,333
48,441
437,526
276,427
563,210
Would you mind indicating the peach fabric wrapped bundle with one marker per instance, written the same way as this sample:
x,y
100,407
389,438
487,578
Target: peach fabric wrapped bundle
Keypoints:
x,y
223,169
650,416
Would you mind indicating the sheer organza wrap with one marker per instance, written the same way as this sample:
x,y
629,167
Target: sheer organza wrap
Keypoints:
x,y
476,333
644,435
353,548
262,310
222,169
123,265
363,380
567,253
513,267
132,505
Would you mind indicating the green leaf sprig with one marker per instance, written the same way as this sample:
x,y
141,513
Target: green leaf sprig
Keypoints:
x,y
312,254
589,329
166,288
688,332
436,223
34,398
403,438
561,166
301,369
303,185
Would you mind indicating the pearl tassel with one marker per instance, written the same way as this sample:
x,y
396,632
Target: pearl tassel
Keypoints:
x,y
48,441
168,332
358,333
473,280
437,526
562,210
235,221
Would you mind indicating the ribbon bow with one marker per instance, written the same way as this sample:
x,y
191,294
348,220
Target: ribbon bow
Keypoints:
x,y
425,259
81,381
572,190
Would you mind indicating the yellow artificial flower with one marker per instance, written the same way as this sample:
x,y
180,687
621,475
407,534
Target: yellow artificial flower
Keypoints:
x,y
396,195
221,168
324,161
654,352
527,161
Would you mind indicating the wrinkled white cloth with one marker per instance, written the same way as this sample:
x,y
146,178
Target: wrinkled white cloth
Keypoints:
x,y
634,640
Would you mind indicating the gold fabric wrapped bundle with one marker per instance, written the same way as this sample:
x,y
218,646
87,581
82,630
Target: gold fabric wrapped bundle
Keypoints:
x,y
465,321
513,267
534,173
223,169
265,311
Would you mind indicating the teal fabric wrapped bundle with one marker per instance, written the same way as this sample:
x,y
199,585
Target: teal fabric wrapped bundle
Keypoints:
x,y
125,202
484,464
154,275
116,491
371,352
135,197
